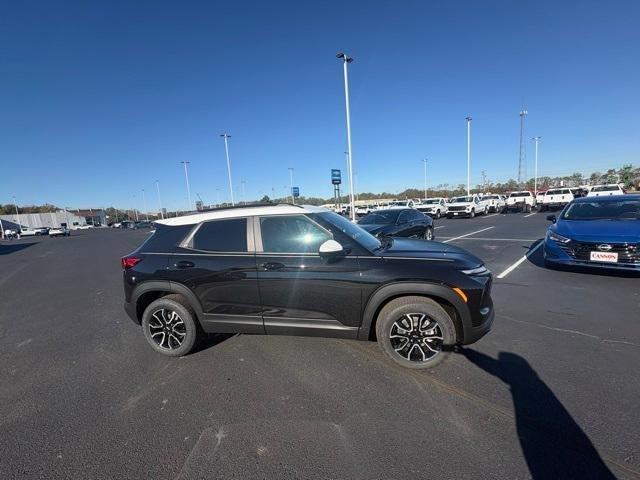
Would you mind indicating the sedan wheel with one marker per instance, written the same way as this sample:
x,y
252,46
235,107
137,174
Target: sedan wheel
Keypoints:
x,y
428,233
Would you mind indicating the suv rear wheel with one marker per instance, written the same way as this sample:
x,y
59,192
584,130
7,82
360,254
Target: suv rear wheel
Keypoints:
x,y
170,326
413,330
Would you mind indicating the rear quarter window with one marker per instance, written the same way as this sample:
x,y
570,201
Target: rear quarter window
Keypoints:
x,y
166,238
229,235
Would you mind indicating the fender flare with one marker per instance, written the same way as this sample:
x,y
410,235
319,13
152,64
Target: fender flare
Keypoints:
x,y
166,286
399,289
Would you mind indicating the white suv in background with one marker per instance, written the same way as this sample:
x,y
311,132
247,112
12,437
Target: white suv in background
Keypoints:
x,y
434,207
496,203
467,206
605,190
556,198
522,201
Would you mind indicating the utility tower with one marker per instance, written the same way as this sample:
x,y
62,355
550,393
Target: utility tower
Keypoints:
x,y
522,161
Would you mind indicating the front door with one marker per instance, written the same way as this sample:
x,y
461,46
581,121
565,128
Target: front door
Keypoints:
x,y
303,293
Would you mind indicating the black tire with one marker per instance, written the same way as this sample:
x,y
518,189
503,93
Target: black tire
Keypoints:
x,y
472,213
449,216
428,233
527,208
178,338
438,214
421,310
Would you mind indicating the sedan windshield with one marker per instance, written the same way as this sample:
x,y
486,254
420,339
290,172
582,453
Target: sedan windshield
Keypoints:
x,y
360,235
462,200
382,217
603,210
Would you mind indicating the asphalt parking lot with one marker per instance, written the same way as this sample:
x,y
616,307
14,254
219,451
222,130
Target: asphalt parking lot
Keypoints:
x,y
551,392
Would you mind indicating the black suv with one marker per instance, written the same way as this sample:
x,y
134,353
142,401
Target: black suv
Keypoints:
x,y
300,270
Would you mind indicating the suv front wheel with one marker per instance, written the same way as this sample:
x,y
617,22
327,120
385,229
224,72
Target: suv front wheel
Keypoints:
x,y
170,326
412,331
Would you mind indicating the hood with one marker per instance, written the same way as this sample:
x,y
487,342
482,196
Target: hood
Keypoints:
x,y
613,231
411,247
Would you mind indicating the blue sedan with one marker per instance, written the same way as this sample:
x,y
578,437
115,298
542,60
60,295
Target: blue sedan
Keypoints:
x,y
601,232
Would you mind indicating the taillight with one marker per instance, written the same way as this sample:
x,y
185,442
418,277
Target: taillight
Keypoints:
x,y
128,262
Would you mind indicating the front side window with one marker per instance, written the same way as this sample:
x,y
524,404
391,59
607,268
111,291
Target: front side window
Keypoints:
x,y
228,235
291,234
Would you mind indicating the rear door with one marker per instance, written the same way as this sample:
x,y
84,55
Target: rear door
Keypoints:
x,y
301,292
217,263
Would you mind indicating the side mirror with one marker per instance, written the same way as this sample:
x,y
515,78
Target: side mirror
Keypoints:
x,y
331,249
552,218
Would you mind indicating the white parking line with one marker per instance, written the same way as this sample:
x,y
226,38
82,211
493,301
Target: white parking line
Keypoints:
x,y
517,264
527,216
441,226
467,234
490,215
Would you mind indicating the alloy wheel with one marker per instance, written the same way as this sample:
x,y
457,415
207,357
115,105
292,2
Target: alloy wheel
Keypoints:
x,y
416,337
167,329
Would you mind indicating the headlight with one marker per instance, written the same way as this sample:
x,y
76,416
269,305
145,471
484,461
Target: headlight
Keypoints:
x,y
557,238
481,270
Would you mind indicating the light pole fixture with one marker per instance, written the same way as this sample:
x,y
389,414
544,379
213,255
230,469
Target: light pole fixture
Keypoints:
x,y
186,176
244,198
15,204
226,151
522,167
144,203
159,200
345,61
468,119
293,199
535,175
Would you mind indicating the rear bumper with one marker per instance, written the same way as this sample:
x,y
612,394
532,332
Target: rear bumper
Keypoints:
x,y
130,308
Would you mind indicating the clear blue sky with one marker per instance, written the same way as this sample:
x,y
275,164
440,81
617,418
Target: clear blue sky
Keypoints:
x,y
100,99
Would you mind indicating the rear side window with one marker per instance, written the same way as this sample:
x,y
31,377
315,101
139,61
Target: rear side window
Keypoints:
x,y
222,236
165,238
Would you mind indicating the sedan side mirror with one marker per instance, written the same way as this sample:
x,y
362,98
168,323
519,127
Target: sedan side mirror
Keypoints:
x,y
331,249
552,218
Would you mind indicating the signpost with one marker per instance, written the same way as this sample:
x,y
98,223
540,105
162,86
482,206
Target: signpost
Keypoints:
x,y
295,191
336,180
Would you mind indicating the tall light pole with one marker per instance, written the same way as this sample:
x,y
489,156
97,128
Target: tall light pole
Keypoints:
x,y
345,61
244,199
425,177
144,203
226,151
159,200
293,199
468,119
186,177
522,166
17,213
535,175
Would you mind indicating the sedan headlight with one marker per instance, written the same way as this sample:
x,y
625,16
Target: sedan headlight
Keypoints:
x,y
557,237
479,271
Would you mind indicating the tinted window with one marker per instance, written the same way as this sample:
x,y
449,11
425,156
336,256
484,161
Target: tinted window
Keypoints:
x,y
380,217
222,236
291,234
165,238
415,215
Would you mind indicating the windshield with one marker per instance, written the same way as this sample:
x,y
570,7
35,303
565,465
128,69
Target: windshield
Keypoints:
x,y
520,194
432,201
384,217
462,200
603,210
351,230
605,188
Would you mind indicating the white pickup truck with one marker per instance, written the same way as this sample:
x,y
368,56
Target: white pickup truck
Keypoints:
x,y
522,201
468,206
605,190
556,198
496,203
434,207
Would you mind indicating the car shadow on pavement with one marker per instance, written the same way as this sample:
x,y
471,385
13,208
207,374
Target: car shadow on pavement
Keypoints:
x,y
553,444
211,340
6,249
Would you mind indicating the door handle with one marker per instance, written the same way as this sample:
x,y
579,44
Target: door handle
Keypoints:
x,y
184,264
273,266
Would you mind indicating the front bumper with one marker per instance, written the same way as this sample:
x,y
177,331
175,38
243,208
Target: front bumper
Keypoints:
x,y
552,253
485,322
